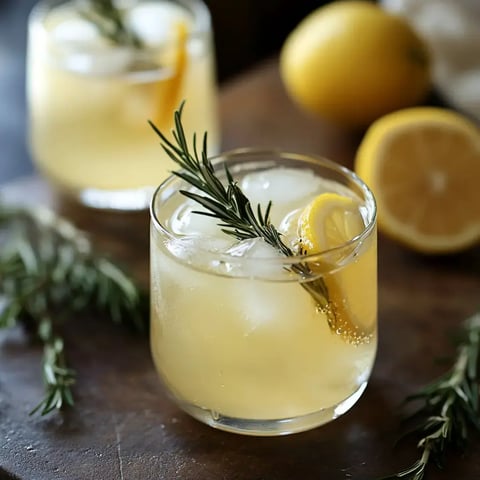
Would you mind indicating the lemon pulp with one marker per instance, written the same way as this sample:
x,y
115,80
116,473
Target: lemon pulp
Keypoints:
x,y
423,165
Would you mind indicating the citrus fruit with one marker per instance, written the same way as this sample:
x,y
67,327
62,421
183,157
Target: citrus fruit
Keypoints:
x,y
423,166
329,221
167,91
352,62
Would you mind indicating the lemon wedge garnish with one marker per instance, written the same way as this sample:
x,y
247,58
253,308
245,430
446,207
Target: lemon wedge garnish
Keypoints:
x,y
169,94
329,221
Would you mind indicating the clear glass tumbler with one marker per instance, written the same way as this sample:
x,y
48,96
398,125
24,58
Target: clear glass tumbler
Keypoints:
x,y
239,336
91,94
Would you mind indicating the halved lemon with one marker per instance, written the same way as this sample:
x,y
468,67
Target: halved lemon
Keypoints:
x,y
329,221
423,165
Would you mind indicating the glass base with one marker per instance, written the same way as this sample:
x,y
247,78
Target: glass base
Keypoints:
x,y
273,427
124,200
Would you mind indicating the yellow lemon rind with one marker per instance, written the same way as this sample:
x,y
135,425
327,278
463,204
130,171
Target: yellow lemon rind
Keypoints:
x,y
392,64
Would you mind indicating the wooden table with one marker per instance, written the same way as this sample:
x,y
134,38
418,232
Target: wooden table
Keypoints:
x,y
123,425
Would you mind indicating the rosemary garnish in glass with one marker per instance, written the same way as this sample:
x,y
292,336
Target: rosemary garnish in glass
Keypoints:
x,y
48,273
109,20
449,407
234,210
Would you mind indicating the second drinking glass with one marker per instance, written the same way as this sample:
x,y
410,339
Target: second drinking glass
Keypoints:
x,y
93,84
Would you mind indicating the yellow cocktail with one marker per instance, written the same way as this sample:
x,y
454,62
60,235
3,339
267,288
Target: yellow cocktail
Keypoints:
x,y
90,98
247,339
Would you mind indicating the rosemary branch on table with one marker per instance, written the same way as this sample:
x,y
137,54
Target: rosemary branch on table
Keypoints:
x,y
49,272
232,207
449,408
109,20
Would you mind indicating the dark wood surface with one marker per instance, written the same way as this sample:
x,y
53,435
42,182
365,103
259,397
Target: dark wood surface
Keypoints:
x,y
124,426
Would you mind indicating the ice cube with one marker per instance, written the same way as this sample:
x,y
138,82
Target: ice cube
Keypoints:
x,y
280,185
197,249
202,253
256,259
153,21
101,62
76,31
287,189
186,222
277,309
253,248
81,48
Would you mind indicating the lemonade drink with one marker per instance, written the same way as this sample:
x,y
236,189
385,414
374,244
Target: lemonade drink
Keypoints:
x,y
237,340
90,99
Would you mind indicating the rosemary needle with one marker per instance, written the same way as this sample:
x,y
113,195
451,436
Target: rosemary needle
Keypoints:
x,y
49,272
449,407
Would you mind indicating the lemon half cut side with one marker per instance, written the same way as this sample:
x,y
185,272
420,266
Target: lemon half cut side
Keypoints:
x,y
423,165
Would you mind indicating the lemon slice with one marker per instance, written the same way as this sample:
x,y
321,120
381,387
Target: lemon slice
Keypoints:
x,y
423,165
329,221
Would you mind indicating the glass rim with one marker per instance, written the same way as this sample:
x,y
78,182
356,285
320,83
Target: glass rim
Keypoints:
x,y
217,160
201,18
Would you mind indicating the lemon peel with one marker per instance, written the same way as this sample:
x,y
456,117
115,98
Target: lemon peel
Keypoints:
x,y
167,91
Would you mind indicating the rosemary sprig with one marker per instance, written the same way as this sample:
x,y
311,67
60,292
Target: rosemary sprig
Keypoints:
x,y
57,377
449,407
49,272
231,206
109,21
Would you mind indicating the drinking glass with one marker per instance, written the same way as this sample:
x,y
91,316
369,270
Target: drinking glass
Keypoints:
x,y
238,339
90,99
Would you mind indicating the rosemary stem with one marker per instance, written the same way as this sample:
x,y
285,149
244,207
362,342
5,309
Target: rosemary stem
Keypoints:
x,y
48,272
450,406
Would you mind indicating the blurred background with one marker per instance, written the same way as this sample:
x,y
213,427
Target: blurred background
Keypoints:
x,y
246,32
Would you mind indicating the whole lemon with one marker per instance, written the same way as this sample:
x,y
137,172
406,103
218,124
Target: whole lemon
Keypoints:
x,y
352,62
